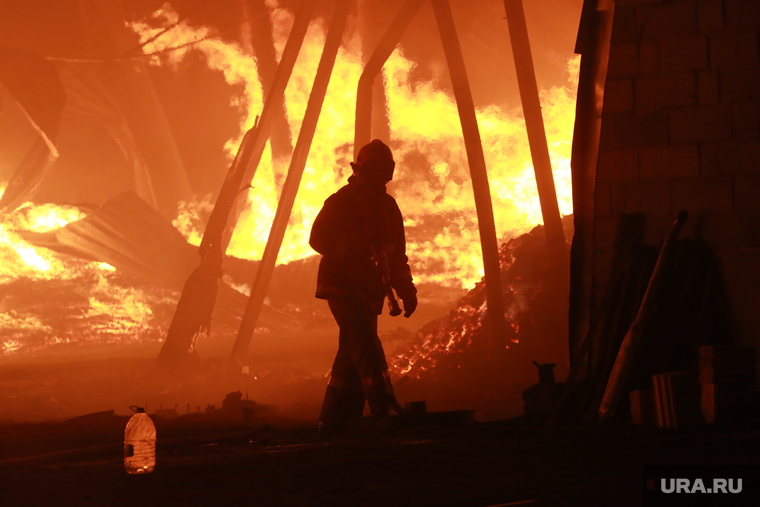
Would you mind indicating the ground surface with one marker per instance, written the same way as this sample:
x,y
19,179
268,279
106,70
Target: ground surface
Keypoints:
x,y
202,462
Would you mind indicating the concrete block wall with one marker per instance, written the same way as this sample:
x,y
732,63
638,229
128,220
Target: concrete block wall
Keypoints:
x,y
681,130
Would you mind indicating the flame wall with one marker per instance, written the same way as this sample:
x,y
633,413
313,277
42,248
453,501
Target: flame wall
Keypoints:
x,y
432,182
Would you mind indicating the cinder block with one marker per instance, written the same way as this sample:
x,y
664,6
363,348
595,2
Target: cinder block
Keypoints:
x,y
733,156
746,265
618,95
673,161
645,196
624,60
708,87
657,227
745,120
624,25
742,14
703,194
733,48
710,15
604,236
748,330
747,193
699,123
667,20
687,52
616,165
739,84
723,231
743,300
649,58
602,204
644,129
617,201
611,136
749,228
666,90
727,264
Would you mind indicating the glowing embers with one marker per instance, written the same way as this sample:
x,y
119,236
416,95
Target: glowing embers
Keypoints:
x,y
532,310
51,299
432,181
20,259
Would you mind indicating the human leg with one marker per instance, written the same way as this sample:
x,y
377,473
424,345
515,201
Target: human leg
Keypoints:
x,y
360,344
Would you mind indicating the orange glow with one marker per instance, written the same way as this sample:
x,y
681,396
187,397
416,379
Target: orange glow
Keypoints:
x,y
18,257
110,313
423,120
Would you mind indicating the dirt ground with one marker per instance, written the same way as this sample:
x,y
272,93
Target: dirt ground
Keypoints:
x,y
421,462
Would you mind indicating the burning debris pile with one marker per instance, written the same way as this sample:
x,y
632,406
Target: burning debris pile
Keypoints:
x,y
111,275
74,278
456,347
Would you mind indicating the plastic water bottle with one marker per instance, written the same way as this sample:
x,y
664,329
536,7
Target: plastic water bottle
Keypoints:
x,y
139,443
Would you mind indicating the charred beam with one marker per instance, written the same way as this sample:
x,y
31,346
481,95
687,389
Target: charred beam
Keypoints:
x,y
292,182
389,41
534,123
478,171
593,44
275,97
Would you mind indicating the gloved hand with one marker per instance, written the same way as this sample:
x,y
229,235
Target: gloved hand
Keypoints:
x,y
410,304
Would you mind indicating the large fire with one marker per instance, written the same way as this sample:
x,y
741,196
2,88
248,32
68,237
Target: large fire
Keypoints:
x,y
432,182
101,311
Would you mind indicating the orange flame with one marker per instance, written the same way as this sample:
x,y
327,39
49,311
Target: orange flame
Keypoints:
x,y
426,137
110,313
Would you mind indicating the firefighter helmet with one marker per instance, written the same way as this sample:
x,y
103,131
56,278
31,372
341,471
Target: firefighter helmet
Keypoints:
x,y
375,160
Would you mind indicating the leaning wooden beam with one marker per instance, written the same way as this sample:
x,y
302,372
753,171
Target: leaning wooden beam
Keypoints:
x,y
593,45
397,28
634,336
256,13
534,123
292,182
273,101
478,172
199,291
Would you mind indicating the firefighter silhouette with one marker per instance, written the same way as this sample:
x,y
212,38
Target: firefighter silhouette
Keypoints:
x,y
360,233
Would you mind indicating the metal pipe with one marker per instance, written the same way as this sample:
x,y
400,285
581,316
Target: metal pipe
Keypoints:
x,y
273,101
290,187
478,172
534,123
397,28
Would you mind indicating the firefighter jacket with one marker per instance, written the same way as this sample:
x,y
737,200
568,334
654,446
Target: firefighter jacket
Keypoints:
x,y
353,220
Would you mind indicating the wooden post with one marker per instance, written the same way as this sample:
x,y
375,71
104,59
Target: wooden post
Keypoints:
x,y
534,123
478,172
273,101
397,28
593,44
258,26
290,187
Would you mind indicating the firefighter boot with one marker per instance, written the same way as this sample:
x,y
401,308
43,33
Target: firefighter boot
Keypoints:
x,y
340,406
